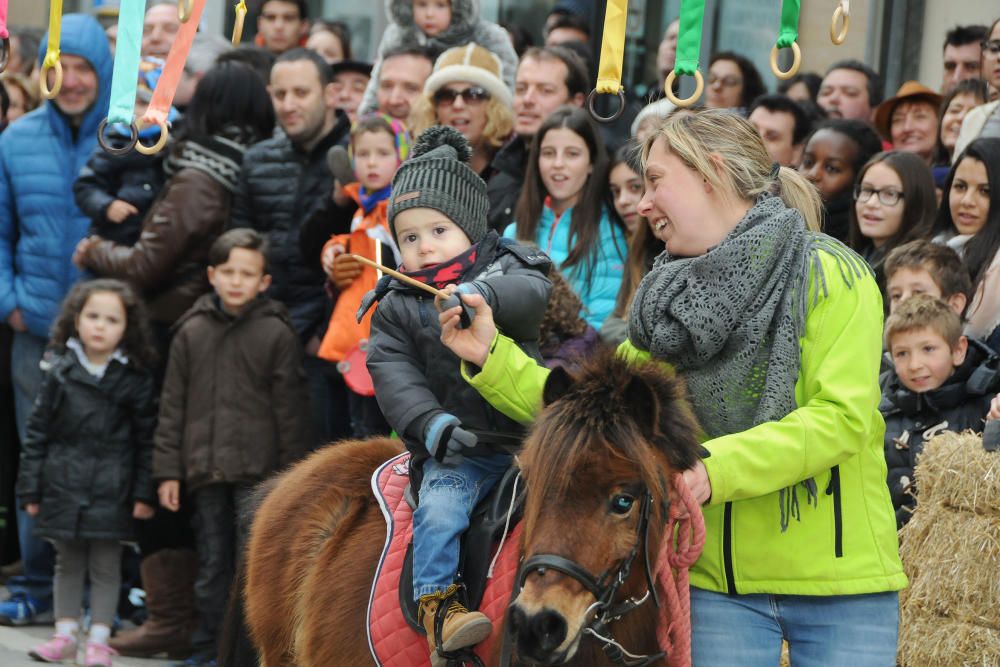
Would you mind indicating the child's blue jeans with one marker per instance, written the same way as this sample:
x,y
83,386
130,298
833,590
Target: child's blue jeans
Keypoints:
x,y
448,494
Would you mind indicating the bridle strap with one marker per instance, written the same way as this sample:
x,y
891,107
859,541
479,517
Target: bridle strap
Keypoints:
x,y
539,563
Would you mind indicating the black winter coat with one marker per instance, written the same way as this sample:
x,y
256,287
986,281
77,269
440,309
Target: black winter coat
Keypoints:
x,y
280,186
417,378
911,418
89,448
133,177
504,186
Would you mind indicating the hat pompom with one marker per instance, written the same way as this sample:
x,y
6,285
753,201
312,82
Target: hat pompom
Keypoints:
x,y
442,135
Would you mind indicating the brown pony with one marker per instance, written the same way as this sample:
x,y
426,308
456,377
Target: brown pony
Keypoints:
x,y
597,460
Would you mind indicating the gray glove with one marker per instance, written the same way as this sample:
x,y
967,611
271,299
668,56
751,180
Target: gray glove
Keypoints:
x,y
447,441
340,165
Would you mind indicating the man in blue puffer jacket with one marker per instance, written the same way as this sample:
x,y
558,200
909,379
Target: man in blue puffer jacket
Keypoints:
x,y
40,225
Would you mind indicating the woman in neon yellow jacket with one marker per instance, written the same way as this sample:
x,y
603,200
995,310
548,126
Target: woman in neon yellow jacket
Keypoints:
x,y
777,332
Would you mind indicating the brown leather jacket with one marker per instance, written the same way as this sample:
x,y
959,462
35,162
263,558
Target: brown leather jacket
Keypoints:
x,y
169,261
234,407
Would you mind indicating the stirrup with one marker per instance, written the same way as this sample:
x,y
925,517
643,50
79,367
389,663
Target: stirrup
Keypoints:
x,y
461,656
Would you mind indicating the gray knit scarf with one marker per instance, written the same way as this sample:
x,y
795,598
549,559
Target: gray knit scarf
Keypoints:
x,y
219,156
729,321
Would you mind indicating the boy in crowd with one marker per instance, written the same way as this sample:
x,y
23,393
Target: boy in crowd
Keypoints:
x,y
231,414
940,381
922,267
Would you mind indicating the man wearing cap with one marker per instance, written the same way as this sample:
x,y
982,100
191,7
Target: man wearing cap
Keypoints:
x,y
40,226
547,78
909,120
283,181
350,79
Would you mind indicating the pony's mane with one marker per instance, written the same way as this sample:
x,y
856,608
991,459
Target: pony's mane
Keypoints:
x,y
606,413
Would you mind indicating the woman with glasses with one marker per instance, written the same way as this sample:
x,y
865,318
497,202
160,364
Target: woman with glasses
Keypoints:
x,y
466,90
733,83
894,203
984,122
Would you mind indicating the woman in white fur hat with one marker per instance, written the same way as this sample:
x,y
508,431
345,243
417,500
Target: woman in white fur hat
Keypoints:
x,y
466,90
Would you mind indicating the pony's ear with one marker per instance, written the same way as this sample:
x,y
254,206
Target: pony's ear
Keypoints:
x,y
557,385
643,405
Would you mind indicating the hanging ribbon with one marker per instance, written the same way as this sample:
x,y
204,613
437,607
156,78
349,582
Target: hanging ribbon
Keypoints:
x,y
688,51
51,60
788,38
125,79
5,36
843,11
609,75
166,87
241,15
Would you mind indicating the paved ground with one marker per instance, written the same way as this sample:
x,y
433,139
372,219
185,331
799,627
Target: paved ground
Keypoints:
x,y
15,643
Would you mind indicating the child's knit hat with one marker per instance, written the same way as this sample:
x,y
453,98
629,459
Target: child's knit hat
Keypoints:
x,y
437,175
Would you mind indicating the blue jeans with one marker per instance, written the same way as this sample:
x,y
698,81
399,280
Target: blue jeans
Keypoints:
x,y
448,494
37,554
746,630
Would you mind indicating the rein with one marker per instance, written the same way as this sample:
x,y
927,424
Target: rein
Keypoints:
x,y
674,627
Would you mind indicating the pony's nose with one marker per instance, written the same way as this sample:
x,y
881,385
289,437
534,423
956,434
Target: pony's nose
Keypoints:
x,y
538,635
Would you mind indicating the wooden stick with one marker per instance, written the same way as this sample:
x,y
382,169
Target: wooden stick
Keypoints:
x,y
400,276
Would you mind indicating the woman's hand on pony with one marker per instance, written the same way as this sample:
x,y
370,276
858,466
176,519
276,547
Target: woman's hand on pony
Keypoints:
x,y
31,509
143,511
994,412
471,344
170,494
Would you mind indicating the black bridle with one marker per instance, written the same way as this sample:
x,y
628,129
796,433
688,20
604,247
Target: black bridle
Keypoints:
x,y
604,589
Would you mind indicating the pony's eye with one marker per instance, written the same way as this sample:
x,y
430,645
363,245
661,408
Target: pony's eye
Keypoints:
x,y
621,504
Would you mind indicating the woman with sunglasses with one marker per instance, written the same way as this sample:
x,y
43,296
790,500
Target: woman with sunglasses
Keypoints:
x,y
894,202
984,122
466,91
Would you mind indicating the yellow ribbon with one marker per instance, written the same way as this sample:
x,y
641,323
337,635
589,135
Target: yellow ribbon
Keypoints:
x,y
241,14
51,60
609,74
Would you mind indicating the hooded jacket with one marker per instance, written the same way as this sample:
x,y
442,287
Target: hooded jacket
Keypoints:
x,y
40,157
912,418
234,404
88,451
465,27
417,378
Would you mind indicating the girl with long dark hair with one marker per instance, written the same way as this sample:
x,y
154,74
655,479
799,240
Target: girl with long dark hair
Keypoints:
x,y
562,210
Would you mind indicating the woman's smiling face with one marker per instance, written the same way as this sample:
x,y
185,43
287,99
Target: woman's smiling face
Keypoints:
x,y
969,197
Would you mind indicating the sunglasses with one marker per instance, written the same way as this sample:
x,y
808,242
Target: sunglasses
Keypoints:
x,y
474,95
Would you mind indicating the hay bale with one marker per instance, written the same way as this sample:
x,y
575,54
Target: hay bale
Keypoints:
x,y
950,614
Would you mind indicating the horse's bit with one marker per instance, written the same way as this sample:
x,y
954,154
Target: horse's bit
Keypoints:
x,y
604,589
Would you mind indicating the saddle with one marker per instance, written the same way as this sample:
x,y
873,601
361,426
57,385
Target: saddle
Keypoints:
x,y
395,637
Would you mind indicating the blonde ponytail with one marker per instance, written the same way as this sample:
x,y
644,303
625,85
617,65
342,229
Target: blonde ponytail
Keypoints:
x,y
743,169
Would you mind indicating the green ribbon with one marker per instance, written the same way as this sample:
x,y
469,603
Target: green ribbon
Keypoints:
x,y
125,79
689,37
789,34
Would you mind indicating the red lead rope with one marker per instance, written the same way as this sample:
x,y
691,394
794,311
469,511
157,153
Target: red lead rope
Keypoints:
x,y
674,629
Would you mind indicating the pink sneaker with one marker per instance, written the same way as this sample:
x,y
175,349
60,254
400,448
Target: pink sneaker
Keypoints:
x,y
57,649
98,655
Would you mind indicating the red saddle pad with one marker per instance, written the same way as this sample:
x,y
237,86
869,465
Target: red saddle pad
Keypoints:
x,y
392,641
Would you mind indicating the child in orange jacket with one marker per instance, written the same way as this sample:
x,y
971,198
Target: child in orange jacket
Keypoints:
x,y
379,144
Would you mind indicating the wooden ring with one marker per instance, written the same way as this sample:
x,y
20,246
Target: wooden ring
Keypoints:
x,y
43,79
184,10
699,88
613,117
127,148
796,62
158,146
840,37
4,53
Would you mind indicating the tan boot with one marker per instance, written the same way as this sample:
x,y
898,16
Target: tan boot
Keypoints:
x,y
461,629
168,579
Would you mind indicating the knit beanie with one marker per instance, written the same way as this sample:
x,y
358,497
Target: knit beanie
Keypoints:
x,y
437,175
470,63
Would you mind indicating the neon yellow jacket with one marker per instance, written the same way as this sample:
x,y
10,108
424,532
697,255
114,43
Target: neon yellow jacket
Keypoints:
x,y
844,544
